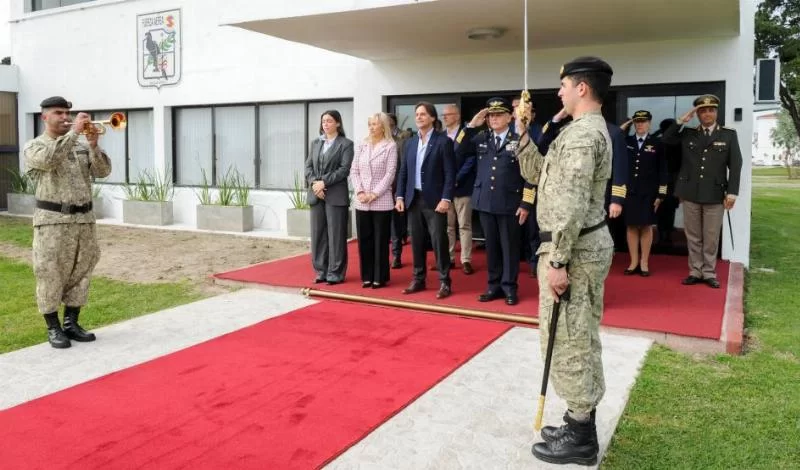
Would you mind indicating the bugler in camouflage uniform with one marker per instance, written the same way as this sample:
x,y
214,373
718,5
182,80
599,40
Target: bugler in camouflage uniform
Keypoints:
x,y
65,249
576,251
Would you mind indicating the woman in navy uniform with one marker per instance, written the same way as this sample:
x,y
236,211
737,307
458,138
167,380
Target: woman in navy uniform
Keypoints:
x,y
647,187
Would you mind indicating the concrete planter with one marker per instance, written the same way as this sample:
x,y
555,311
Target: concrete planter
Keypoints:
x,y
225,218
298,223
147,212
21,204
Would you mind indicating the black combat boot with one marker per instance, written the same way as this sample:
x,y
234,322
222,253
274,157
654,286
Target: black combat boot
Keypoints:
x,y
576,444
55,335
551,433
73,329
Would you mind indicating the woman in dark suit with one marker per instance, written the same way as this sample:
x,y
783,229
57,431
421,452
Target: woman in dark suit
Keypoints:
x,y
327,169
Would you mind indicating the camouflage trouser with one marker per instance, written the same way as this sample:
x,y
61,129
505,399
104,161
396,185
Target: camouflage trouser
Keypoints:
x,y
64,256
576,370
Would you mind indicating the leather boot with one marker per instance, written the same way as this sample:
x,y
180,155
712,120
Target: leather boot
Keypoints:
x,y
577,444
55,335
73,329
551,433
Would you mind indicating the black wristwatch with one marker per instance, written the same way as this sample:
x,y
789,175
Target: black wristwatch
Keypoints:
x,y
557,265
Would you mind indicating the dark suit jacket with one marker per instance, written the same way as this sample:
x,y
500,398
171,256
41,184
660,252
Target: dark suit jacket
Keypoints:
x,y
647,175
333,169
438,170
465,164
703,177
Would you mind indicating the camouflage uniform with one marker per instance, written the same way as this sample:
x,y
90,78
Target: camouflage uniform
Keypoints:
x,y
65,249
572,185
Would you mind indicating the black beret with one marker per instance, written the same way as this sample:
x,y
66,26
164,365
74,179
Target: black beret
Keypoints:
x,y
586,65
706,101
56,102
642,115
498,105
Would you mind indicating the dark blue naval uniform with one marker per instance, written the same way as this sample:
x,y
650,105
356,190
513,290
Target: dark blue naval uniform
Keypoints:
x,y
647,179
498,192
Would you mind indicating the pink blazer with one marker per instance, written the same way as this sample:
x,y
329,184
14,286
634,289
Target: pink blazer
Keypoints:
x,y
373,171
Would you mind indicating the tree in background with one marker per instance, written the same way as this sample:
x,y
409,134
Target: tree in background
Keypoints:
x,y
777,28
785,137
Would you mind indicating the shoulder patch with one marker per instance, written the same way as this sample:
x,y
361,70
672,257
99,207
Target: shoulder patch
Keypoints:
x,y
460,136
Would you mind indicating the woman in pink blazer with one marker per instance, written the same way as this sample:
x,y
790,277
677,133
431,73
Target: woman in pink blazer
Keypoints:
x,y
372,174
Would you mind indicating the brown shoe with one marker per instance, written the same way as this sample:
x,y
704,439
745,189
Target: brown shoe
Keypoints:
x,y
415,286
467,268
444,291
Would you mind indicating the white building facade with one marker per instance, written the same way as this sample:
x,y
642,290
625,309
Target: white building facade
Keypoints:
x,y
246,81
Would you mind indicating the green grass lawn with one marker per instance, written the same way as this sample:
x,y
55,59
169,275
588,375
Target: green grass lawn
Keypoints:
x,y
726,412
770,171
110,301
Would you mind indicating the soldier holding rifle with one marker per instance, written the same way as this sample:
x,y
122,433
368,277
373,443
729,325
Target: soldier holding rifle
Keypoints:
x,y
575,253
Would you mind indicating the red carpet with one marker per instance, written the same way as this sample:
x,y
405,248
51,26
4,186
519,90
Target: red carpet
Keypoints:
x,y
657,303
291,392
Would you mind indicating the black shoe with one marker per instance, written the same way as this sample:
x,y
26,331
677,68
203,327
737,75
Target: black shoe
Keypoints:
x,y
691,280
378,285
444,291
366,284
644,273
577,443
630,271
712,282
415,286
333,283
55,335
71,327
467,268
489,296
551,433
319,280
396,264
512,299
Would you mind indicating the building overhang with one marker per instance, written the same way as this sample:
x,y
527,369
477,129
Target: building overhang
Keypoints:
x,y
401,29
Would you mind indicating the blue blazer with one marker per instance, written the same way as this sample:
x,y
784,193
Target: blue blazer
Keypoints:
x,y
438,170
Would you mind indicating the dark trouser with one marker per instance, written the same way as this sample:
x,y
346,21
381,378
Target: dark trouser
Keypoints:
x,y
399,232
502,234
329,240
425,220
530,239
373,229
666,217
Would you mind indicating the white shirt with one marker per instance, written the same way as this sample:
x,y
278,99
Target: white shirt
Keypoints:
x,y
422,146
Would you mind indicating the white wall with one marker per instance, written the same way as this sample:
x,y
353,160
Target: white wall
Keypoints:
x,y
5,30
228,65
764,150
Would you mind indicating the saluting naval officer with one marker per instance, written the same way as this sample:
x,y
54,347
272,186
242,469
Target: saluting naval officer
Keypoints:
x,y
65,249
707,185
498,196
647,188
575,253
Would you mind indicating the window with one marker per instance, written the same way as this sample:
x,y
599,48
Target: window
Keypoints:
x,y
282,141
8,121
37,5
131,149
267,143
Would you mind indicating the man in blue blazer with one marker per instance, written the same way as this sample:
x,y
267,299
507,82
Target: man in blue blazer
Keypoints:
x,y
425,189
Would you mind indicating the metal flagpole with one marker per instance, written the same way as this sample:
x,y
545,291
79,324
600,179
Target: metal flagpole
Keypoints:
x,y
525,97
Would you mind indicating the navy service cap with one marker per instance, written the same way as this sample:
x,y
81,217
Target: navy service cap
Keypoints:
x,y
56,102
586,65
642,115
498,105
706,101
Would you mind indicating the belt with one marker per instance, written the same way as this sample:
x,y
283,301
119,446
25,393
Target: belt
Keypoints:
x,y
546,237
63,207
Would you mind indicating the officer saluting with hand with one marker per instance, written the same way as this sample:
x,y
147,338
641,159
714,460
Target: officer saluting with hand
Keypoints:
x,y
501,196
710,152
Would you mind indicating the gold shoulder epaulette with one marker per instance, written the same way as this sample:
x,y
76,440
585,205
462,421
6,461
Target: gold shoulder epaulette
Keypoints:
x,y
460,136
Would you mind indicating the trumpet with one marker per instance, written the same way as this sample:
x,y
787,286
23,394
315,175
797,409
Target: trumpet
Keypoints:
x,y
116,121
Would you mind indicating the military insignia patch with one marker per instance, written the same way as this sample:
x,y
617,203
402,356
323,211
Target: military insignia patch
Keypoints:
x,y
460,136
512,145
649,148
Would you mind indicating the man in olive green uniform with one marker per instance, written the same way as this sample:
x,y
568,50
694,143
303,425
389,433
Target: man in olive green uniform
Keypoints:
x,y
575,252
65,249
709,152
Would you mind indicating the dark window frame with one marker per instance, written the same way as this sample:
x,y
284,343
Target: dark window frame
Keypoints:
x,y
258,157
31,5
